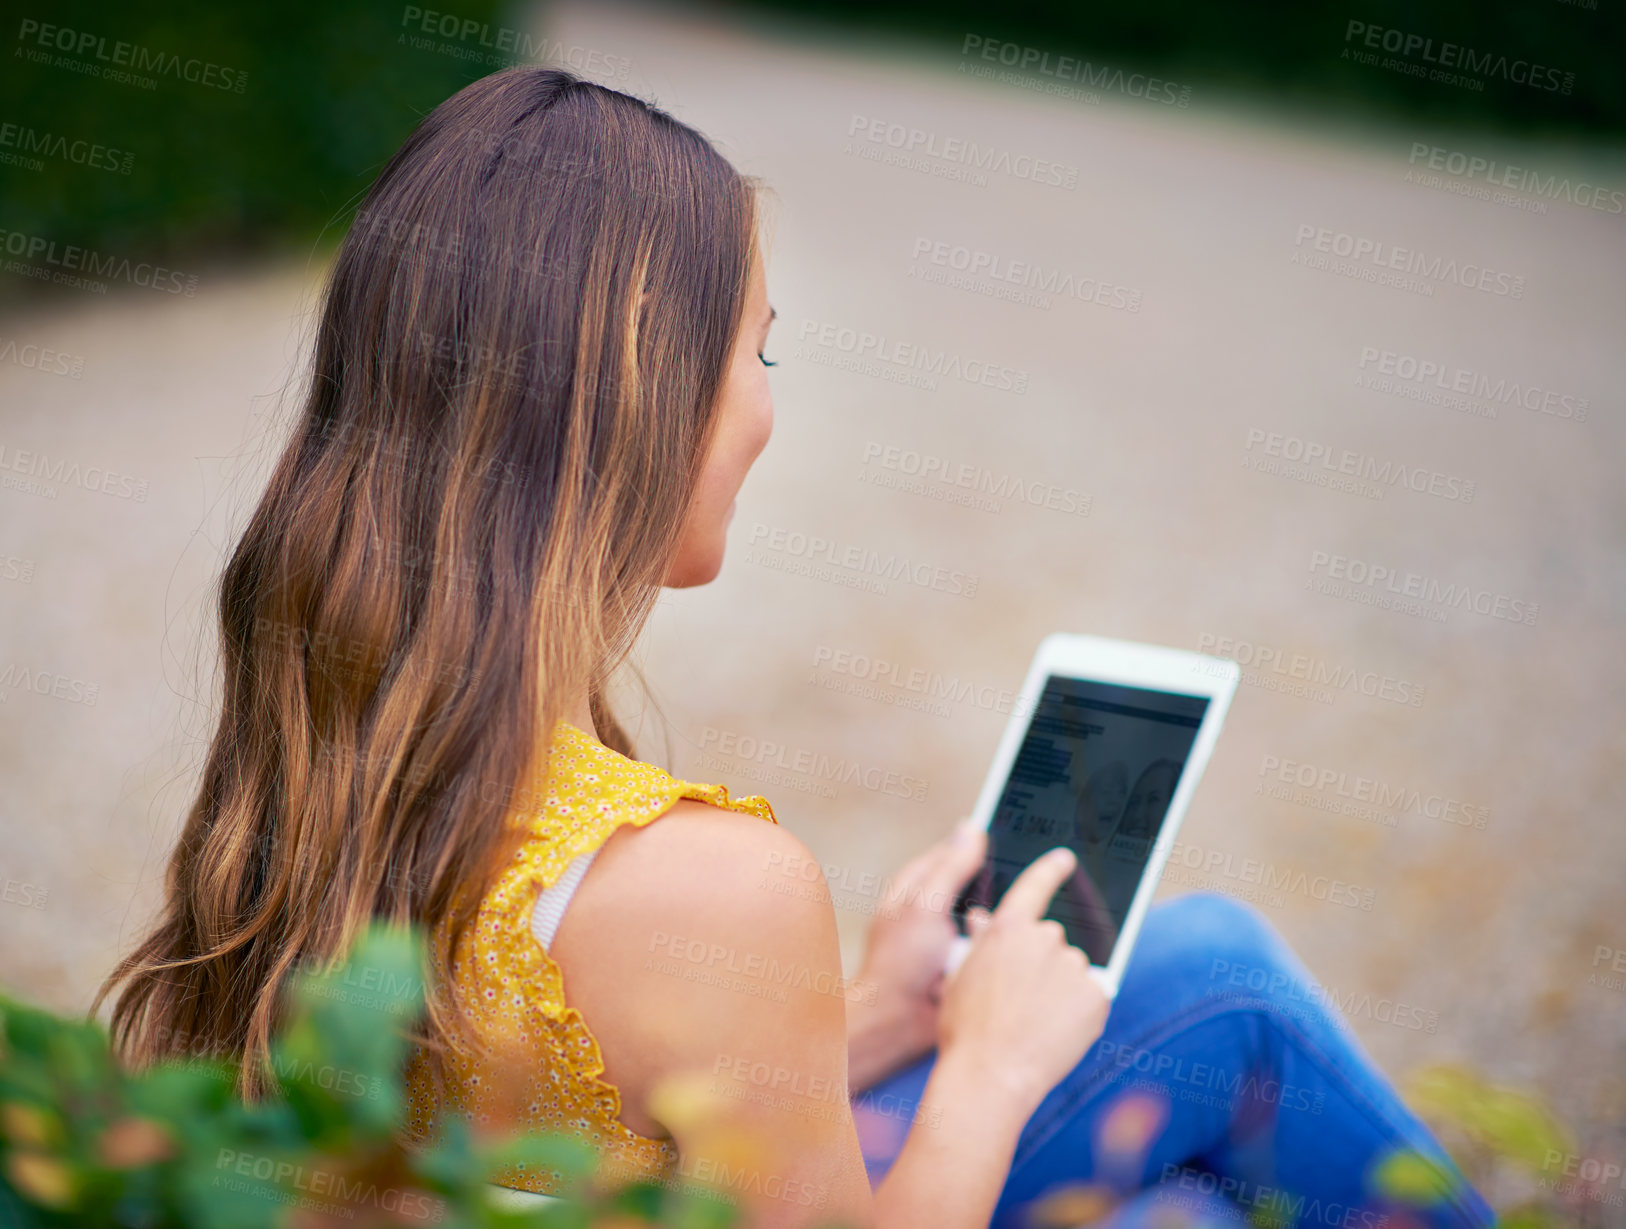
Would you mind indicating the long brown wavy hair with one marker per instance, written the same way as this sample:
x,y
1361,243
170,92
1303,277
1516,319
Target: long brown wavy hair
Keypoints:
x,y
517,363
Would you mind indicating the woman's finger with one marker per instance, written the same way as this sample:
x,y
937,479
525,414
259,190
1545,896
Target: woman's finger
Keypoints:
x,y
963,856
925,870
1029,897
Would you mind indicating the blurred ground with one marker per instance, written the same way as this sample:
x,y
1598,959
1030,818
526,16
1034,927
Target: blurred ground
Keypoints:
x,y
1141,419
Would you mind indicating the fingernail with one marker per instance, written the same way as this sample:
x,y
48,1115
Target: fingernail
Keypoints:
x,y
965,832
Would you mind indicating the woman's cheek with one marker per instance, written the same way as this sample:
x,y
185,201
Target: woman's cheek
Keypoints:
x,y
764,419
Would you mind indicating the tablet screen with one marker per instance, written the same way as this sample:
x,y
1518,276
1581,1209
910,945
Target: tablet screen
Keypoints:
x,y
1095,771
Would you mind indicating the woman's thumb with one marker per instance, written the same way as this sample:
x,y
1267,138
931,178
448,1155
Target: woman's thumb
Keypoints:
x,y
969,842
976,921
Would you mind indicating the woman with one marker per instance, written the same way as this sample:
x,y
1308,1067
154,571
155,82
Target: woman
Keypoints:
x,y
539,384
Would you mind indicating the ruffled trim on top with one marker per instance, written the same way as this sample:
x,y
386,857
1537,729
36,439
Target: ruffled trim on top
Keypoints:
x,y
563,833
517,974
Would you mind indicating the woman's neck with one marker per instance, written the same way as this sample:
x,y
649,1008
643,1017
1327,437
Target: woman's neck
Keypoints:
x,y
580,714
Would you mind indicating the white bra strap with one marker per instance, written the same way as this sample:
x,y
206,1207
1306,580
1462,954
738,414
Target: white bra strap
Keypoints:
x,y
551,902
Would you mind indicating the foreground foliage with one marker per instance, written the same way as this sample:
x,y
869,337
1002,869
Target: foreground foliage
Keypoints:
x,y
85,1143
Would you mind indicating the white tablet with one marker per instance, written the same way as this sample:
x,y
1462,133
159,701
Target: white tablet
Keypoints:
x,y
1103,751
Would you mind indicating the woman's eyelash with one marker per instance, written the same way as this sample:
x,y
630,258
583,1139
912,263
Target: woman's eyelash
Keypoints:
x,y
767,362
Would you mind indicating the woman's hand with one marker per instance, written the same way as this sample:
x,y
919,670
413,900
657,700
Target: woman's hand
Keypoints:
x,y
907,945
1023,1007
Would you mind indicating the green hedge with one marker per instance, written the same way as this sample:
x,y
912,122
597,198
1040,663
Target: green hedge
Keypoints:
x,y
1293,56
292,108
291,111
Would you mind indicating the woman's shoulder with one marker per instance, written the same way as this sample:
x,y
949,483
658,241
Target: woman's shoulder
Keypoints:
x,y
591,793
700,877
673,911
664,848
700,845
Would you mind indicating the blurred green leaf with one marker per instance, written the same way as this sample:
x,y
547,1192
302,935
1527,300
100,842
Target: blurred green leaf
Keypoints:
x,y
1530,1216
83,1143
571,1159
1410,1177
340,1057
1520,1129
178,1092
1511,1126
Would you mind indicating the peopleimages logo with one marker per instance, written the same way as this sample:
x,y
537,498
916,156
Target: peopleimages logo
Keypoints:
x,y
25,895
1316,671
1587,1168
1388,370
43,469
911,141
1071,68
1424,588
83,44
41,358
1240,1085
91,154
336,1192
1374,254
932,684
1270,1206
712,1173
838,770
813,551
505,43
1004,273
721,961
1320,459
1271,877
1456,56
862,344
1285,993
995,484
1615,958
1496,174
1379,793
71,259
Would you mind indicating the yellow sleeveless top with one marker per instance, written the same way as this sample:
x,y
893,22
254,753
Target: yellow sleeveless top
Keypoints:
x,y
515,991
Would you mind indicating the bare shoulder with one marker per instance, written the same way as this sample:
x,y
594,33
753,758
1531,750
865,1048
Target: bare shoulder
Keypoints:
x,y
703,870
716,846
681,933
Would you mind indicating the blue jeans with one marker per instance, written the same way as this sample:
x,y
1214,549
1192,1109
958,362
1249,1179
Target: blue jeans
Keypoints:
x,y
1222,1085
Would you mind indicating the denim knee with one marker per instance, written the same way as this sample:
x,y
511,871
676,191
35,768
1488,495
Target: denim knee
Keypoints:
x,y
1210,937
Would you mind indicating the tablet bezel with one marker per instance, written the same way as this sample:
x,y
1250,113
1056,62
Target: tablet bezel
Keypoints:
x,y
1132,664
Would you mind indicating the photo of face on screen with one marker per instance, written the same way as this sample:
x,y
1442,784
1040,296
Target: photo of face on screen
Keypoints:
x,y
1096,771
